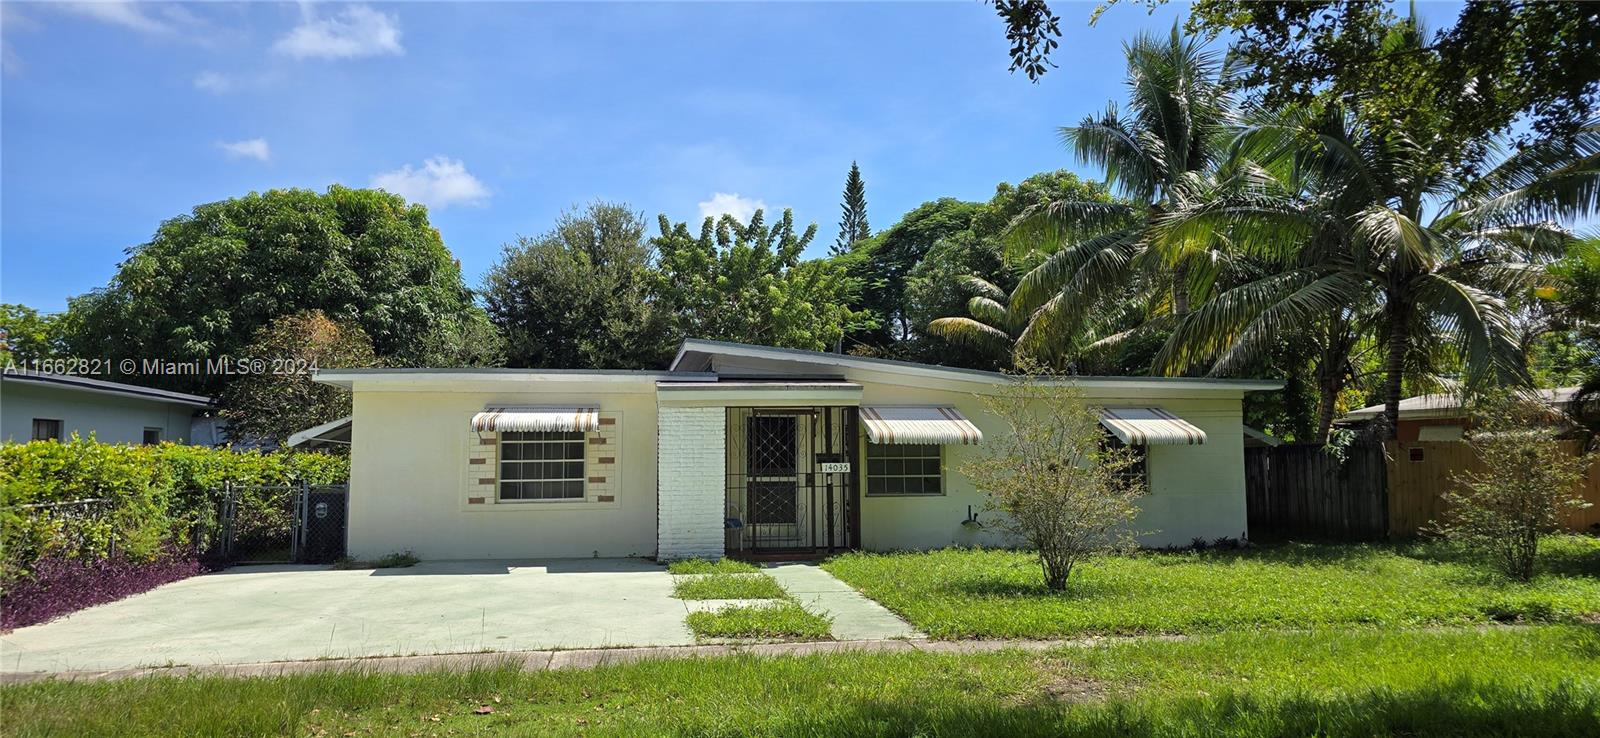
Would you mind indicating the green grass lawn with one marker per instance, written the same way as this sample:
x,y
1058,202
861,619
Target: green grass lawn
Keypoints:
x,y
962,593
1524,681
721,566
786,620
727,587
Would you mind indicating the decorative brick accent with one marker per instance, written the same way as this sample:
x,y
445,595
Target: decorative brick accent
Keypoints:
x,y
488,481
477,461
474,500
597,440
489,441
597,480
607,498
606,460
608,421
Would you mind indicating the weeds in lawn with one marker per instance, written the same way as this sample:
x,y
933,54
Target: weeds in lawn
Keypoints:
x,y
1526,682
398,560
776,620
727,587
720,566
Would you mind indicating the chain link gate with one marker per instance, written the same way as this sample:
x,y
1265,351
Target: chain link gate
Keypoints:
x,y
299,523
790,481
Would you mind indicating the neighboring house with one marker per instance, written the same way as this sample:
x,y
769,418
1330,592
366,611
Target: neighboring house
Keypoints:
x,y
329,435
738,449
36,406
1441,417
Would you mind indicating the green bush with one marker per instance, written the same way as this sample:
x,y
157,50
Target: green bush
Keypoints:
x,y
156,496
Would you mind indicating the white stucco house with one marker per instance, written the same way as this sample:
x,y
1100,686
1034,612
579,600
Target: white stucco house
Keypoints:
x,y
39,406
738,449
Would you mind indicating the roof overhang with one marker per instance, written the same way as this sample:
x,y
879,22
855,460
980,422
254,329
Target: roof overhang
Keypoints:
x,y
498,380
699,355
333,432
100,386
758,394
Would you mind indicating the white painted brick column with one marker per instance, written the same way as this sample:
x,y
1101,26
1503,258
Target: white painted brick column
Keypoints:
x,y
691,465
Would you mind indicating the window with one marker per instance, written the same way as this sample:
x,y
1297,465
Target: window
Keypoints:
x,y
1139,470
45,429
541,465
904,469
152,436
774,503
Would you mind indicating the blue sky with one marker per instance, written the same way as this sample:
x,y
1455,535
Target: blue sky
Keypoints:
x,y
114,116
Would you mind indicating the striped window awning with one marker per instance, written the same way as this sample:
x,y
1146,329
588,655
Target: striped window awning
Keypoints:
x,y
937,425
1150,426
514,419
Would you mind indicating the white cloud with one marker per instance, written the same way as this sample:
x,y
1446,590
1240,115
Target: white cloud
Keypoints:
x,y
741,208
120,13
212,82
255,148
355,31
440,183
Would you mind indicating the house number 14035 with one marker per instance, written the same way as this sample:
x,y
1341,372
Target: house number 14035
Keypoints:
x,y
835,467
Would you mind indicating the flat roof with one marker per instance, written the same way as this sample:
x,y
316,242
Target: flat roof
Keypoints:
x,y
346,377
104,387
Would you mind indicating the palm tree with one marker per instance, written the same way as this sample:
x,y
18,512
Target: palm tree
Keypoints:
x,y
1364,234
1178,113
991,328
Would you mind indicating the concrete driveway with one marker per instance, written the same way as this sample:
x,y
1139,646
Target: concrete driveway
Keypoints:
x,y
251,614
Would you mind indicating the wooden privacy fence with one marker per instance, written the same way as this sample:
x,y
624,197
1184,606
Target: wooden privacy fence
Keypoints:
x,y
1305,491
1421,472
1375,491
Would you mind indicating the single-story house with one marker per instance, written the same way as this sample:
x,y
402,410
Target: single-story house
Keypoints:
x,y
1441,417
37,406
738,449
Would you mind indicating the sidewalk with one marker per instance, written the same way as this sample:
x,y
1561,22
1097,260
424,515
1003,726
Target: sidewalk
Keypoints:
x,y
549,660
855,618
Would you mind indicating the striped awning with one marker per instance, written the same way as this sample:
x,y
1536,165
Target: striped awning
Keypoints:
x,y
536,419
1150,426
918,425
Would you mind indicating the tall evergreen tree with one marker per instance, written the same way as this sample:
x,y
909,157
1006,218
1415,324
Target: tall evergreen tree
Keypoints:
x,y
853,226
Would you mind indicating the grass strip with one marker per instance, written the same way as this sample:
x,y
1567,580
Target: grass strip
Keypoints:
x,y
720,566
786,620
728,587
1540,681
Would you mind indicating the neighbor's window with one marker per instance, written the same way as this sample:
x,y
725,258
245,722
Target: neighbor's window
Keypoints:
x,y
904,469
45,429
152,436
541,465
1139,470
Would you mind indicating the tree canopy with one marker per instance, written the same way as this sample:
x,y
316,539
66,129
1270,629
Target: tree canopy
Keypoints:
x,y
208,280
579,295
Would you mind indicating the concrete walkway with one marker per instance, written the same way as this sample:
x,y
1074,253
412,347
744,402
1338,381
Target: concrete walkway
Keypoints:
x,y
855,618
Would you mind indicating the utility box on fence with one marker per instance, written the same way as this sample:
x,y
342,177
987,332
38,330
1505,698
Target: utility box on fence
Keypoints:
x,y
322,525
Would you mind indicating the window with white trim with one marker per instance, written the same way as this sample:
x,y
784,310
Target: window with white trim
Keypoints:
x,y
1139,470
904,469
541,465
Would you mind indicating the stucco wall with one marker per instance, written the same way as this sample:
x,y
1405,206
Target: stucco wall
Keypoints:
x,y
411,482
1196,491
112,419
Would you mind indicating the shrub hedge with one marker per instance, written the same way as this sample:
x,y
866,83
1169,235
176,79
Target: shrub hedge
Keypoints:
x,y
157,498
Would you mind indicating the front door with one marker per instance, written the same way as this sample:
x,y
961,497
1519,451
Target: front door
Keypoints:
x,y
790,483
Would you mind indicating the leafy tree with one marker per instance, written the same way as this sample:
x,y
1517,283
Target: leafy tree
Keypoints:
x,y
281,399
28,335
883,263
1450,91
1570,351
207,281
579,295
853,225
1053,478
1032,30
1526,483
746,282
